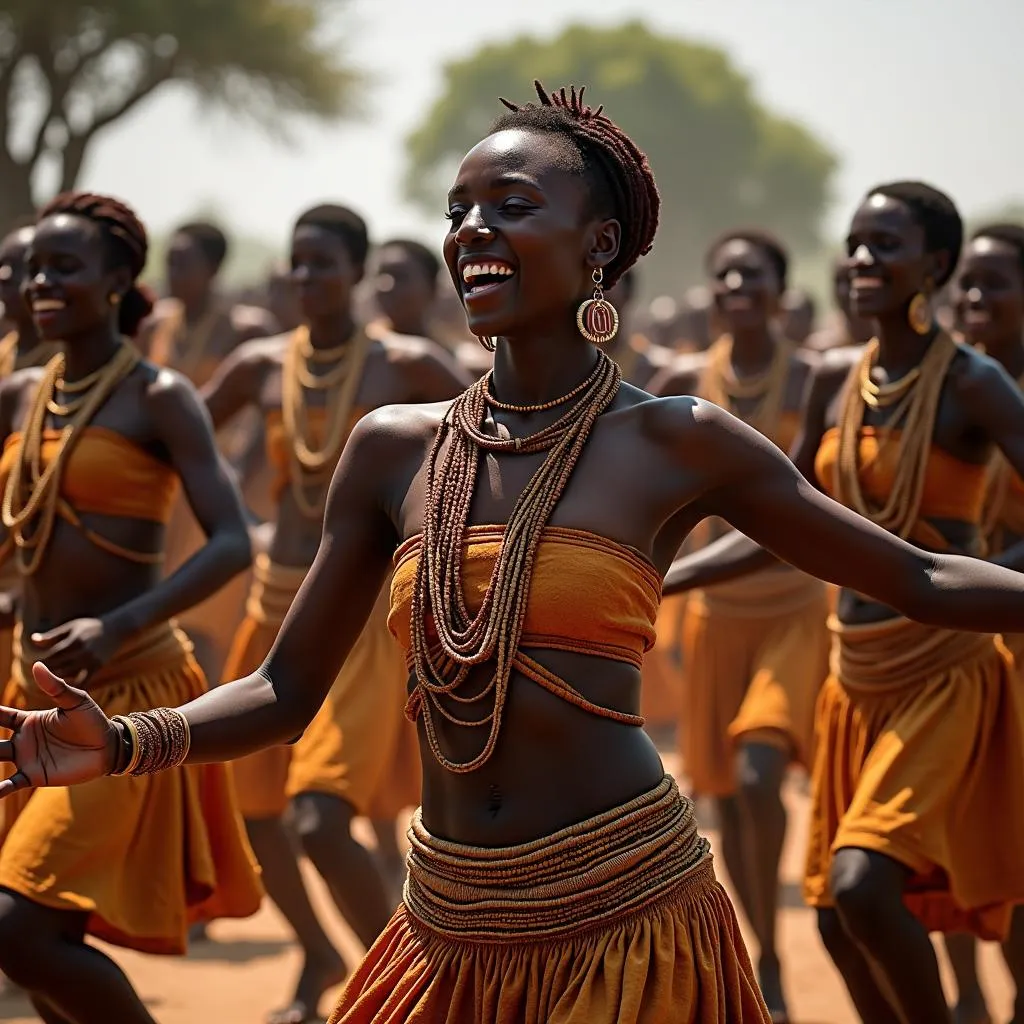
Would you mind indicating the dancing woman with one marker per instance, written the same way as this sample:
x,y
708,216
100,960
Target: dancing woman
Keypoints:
x,y
97,446
919,732
755,650
357,757
556,872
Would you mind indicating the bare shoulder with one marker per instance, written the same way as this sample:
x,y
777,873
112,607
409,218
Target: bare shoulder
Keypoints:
x,y
409,348
252,321
15,390
978,378
264,349
681,376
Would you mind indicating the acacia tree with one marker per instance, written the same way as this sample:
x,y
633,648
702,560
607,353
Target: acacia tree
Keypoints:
x,y
68,70
720,157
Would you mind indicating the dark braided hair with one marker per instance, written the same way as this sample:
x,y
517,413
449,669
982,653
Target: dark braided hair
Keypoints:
x,y
771,246
617,171
126,243
936,213
1007,233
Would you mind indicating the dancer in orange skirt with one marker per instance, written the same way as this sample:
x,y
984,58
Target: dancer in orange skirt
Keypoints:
x,y
990,289
556,873
920,730
97,445
756,651
358,755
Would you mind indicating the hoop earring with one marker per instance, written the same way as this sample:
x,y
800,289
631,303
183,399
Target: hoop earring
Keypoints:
x,y
919,312
487,343
597,319
114,299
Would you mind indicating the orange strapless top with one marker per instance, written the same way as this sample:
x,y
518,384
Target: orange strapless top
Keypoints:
x,y
279,449
588,595
106,474
953,489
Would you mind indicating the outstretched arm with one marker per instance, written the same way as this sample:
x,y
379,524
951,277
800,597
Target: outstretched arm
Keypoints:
x,y
762,494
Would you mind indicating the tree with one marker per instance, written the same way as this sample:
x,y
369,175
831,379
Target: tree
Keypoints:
x,y
720,157
69,70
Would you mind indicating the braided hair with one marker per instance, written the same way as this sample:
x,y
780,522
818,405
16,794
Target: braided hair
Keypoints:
x,y
126,243
763,240
936,213
620,178
1007,233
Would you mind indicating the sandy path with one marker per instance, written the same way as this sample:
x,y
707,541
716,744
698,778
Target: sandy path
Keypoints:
x,y
250,967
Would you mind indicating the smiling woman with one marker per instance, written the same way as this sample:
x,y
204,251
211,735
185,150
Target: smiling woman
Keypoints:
x,y
556,873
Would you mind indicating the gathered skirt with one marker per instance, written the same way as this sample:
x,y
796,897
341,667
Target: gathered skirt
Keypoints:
x,y
143,857
615,920
359,746
920,757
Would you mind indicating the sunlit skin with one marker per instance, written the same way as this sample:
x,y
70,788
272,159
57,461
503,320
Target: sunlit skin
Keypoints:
x,y
673,461
980,410
84,603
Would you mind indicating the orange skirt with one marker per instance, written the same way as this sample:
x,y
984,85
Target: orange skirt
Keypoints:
x,y
143,857
920,768
616,920
756,654
359,747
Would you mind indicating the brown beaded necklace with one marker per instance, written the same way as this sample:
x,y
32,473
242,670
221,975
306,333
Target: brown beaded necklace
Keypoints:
x,y
493,634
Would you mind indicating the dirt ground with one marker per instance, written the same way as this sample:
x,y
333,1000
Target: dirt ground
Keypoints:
x,y
250,966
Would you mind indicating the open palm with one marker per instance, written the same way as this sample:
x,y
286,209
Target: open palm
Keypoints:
x,y
72,742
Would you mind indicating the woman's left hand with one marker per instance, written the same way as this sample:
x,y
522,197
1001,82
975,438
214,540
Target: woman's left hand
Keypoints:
x,y
77,648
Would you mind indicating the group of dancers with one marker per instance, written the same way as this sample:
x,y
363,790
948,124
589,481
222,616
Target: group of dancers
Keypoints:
x,y
369,531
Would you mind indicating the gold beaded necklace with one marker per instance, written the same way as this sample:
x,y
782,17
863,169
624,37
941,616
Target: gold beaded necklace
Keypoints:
x,y
312,466
720,385
493,633
32,496
914,410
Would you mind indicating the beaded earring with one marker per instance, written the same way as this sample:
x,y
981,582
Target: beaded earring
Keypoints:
x,y
597,319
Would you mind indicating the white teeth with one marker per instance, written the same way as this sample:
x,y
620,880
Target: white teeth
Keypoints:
x,y
47,305
471,270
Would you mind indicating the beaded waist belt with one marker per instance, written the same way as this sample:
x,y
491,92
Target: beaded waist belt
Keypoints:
x,y
587,875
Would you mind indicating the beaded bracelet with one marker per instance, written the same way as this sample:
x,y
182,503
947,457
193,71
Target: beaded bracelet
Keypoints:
x,y
157,740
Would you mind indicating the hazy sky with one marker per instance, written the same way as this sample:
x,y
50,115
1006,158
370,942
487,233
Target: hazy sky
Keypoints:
x,y
897,87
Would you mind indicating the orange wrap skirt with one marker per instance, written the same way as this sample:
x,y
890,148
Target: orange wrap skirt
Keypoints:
x,y
755,654
920,753
615,920
143,857
359,747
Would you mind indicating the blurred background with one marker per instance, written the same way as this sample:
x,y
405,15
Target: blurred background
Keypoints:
x,y
778,113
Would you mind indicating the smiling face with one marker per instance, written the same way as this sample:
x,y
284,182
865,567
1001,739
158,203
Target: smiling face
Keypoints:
x,y
745,285
887,258
323,272
13,250
523,240
990,290
69,281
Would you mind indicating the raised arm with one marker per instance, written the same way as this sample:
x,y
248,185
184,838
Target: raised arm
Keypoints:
x,y
762,494
736,555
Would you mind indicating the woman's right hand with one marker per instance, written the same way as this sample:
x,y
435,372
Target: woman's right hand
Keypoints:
x,y
70,743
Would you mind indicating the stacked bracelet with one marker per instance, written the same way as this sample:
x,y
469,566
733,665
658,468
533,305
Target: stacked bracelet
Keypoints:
x,y
152,741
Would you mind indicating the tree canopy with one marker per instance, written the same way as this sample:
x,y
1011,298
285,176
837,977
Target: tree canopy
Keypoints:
x,y
68,70
720,156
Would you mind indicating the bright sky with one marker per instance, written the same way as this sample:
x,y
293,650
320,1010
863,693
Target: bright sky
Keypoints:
x,y
899,88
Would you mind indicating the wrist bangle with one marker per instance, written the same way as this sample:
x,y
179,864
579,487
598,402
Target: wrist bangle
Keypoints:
x,y
130,749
